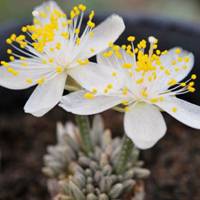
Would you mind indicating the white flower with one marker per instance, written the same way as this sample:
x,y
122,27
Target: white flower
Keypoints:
x,y
142,83
53,48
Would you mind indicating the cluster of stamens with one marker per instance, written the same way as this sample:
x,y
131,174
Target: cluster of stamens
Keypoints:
x,y
38,40
148,69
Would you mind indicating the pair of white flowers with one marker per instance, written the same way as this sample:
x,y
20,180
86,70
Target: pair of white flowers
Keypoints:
x,y
139,83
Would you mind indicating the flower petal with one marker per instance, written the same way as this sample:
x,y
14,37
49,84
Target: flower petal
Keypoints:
x,y
77,104
181,110
108,31
46,96
43,12
179,69
123,74
16,76
95,76
145,125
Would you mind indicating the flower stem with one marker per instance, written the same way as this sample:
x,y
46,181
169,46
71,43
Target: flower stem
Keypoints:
x,y
124,155
84,126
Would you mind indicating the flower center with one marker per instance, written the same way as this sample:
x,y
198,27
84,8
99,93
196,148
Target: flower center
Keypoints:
x,y
50,40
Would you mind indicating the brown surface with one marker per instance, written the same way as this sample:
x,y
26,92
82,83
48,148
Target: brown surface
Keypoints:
x,y
174,161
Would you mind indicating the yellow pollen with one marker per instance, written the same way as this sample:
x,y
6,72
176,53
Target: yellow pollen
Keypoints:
x,y
185,67
125,91
140,81
144,93
64,24
72,14
92,50
114,73
173,62
82,7
162,67
110,44
94,90
177,69
108,54
158,52
174,109
28,80
127,65
59,69
40,81
186,59
89,96
91,34
65,35
24,29
178,51
116,47
194,76
58,46
172,82
9,51
161,98
83,62
110,86
13,37
191,89
106,90
69,21
51,60
164,52
191,84
123,47
167,72
12,58
77,31
126,109
154,100
52,49
180,59
155,46
12,71
183,84
22,58
125,102
9,41
131,38
91,16
131,74
78,41
91,24
5,64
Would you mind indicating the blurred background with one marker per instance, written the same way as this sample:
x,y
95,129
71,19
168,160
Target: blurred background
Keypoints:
x,y
188,10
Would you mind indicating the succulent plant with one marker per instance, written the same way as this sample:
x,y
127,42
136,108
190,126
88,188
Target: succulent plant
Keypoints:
x,y
74,175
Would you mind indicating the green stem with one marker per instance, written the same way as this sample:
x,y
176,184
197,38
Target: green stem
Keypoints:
x,y
84,126
124,155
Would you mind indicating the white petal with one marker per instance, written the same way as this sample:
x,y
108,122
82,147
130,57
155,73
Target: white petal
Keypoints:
x,y
43,14
111,60
77,104
186,112
145,125
44,11
167,59
27,75
96,76
117,64
46,96
108,31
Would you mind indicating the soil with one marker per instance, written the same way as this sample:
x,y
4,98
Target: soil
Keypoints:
x,y
174,161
